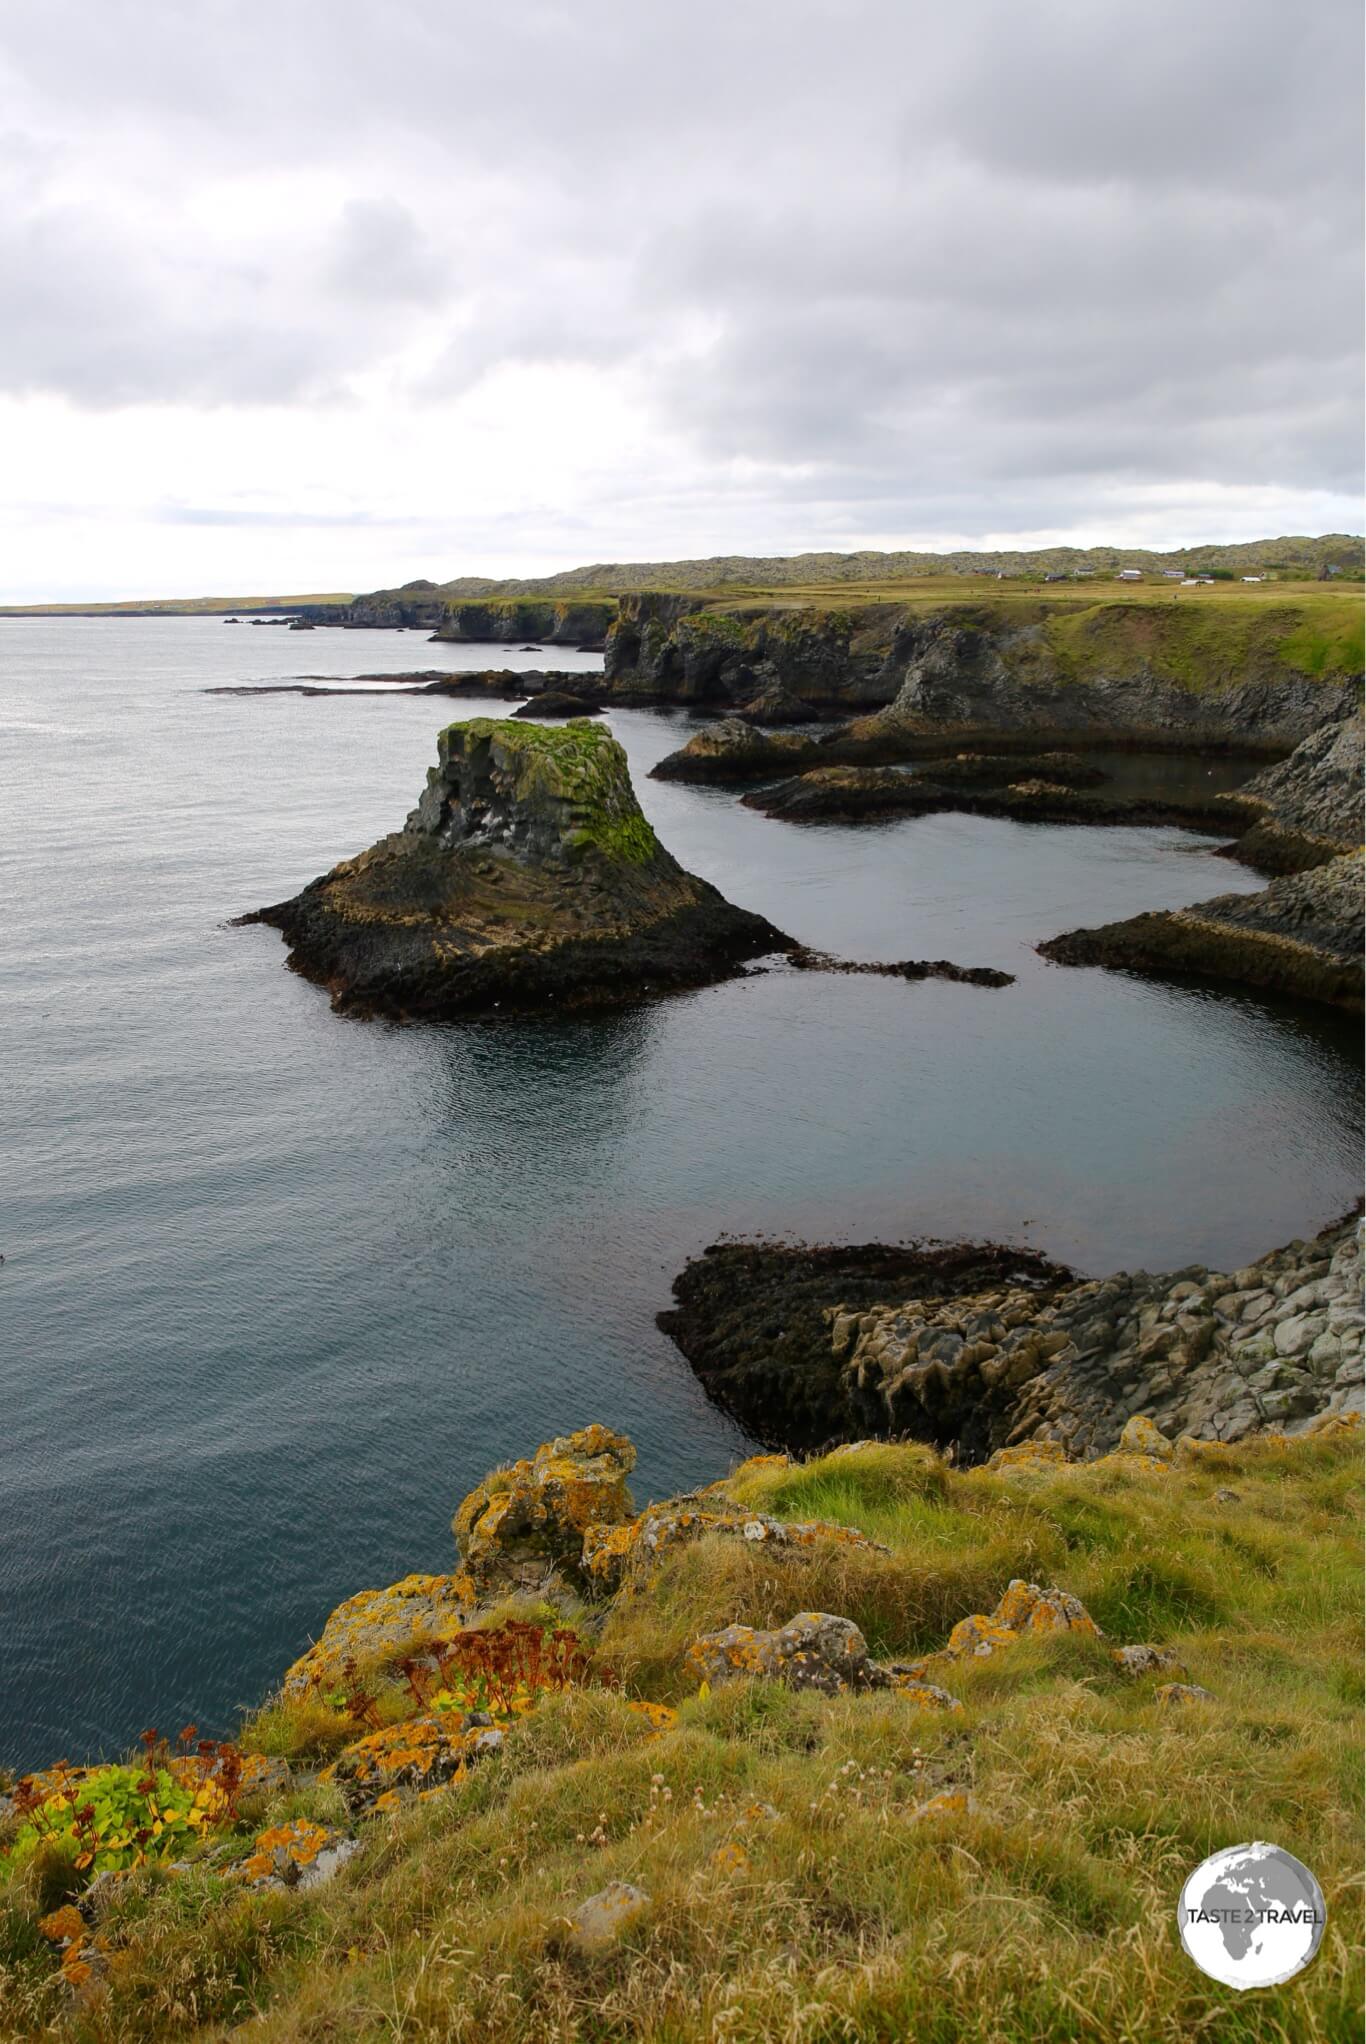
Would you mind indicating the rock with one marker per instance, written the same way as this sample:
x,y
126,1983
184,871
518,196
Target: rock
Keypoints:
x,y
948,1803
612,1553
830,792
1177,1693
597,1923
806,960
814,1650
1024,1608
411,1758
1301,935
1225,1496
777,705
1039,1454
1138,1436
526,877
733,751
553,702
380,1627
523,1521
1312,801
1144,1660
296,1854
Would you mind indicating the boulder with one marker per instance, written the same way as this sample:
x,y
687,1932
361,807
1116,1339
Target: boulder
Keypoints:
x,y
526,877
524,1521
554,702
777,705
597,1923
611,1553
814,1650
1024,1608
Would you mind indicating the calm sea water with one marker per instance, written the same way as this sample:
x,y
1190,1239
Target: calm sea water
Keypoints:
x,y
278,1287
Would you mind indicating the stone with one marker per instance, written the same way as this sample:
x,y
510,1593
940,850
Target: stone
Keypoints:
x,y
613,1552
814,1650
733,750
1298,1333
526,877
526,1520
597,1923
1139,1436
1024,1608
375,1628
296,1854
1144,1660
1176,1694
948,1803
420,1754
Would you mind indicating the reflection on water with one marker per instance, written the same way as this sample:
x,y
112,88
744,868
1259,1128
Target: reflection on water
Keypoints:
x,y
279,1287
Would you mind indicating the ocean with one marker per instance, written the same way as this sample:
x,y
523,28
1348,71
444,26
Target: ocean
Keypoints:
x,y
279,1287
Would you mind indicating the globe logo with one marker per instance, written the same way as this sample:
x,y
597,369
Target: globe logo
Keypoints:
x,y
1251,1916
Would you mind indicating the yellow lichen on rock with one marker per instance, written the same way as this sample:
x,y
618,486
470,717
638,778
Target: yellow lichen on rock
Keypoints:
x,y
610,1553
525,1520
1023,1608
1029,1455
376,1627
421,1753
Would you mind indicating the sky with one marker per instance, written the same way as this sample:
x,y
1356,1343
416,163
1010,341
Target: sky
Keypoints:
x,y
309,295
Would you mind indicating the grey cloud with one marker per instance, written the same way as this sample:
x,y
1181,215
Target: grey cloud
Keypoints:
x,y
869,248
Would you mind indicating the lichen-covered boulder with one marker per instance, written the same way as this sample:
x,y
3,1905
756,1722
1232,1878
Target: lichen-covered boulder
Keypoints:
x,y
378,1627
611,1553
412,1758
1024,1608
1145,1660
524,1521
526,877
814,1650
1139,1436
598,1923
295,1854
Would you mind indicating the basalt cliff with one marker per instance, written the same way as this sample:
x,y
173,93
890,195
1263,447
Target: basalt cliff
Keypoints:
x,y
526,877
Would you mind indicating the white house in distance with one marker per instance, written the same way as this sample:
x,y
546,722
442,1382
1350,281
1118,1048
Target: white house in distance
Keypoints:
x,y
1129,575
1254,578
1173,574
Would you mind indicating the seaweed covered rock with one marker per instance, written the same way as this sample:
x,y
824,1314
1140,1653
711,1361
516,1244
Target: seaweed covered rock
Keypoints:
x,y
1301,935
526,877
523,1521
733,750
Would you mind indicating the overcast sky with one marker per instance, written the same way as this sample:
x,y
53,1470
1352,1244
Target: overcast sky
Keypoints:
x,y
314,294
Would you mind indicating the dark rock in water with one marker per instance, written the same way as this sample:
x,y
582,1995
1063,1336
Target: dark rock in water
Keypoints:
x,y
777,705
734,751
300,624
751,1319
846,794
1301,935
980,1348
526,877
552,702
530,649
806,960
509,683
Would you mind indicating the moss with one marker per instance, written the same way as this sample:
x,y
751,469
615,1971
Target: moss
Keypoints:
x,y
577,763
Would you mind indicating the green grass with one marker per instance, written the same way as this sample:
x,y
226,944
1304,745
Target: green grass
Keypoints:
x,y
1046,1911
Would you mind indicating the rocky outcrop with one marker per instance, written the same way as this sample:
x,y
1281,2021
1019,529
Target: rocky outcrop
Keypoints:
x,y
526,877
777,705
686,649
500,621
1197,1352
1161,676
1310,804
1302,935
556,702
530,1518
843,794
751,1319
733,750
815,1650
914,969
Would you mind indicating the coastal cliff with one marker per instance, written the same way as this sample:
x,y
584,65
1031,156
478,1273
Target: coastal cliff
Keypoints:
x,y
868,1741
422,606
526,877
1163,674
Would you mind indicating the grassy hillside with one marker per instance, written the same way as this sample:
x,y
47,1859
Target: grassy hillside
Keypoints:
x,y
823,1867
170,606
1290,558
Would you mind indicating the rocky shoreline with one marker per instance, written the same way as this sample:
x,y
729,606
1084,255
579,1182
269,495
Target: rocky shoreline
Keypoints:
x,y
975,1348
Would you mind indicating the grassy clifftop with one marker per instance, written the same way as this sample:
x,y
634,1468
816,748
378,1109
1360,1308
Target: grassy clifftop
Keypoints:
x,y
801,1865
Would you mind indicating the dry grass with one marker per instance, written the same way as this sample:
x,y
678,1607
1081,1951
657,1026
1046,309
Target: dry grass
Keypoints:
x,y
1045,1912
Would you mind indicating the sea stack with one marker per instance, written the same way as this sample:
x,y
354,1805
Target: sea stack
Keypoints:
x,y
527,877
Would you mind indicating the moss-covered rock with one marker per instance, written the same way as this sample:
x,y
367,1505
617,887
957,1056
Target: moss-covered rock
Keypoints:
x,y
527,876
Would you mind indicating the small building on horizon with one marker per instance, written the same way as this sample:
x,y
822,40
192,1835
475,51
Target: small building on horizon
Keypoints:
x,y
1129,575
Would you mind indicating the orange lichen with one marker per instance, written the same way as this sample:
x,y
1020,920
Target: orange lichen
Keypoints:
x,y
284,1851
377,1627
1023,1608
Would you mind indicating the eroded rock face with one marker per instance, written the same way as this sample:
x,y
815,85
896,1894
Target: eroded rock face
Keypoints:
x,y
526,876
1316,793
378,1627
522,1521
1302,935
1117,1362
